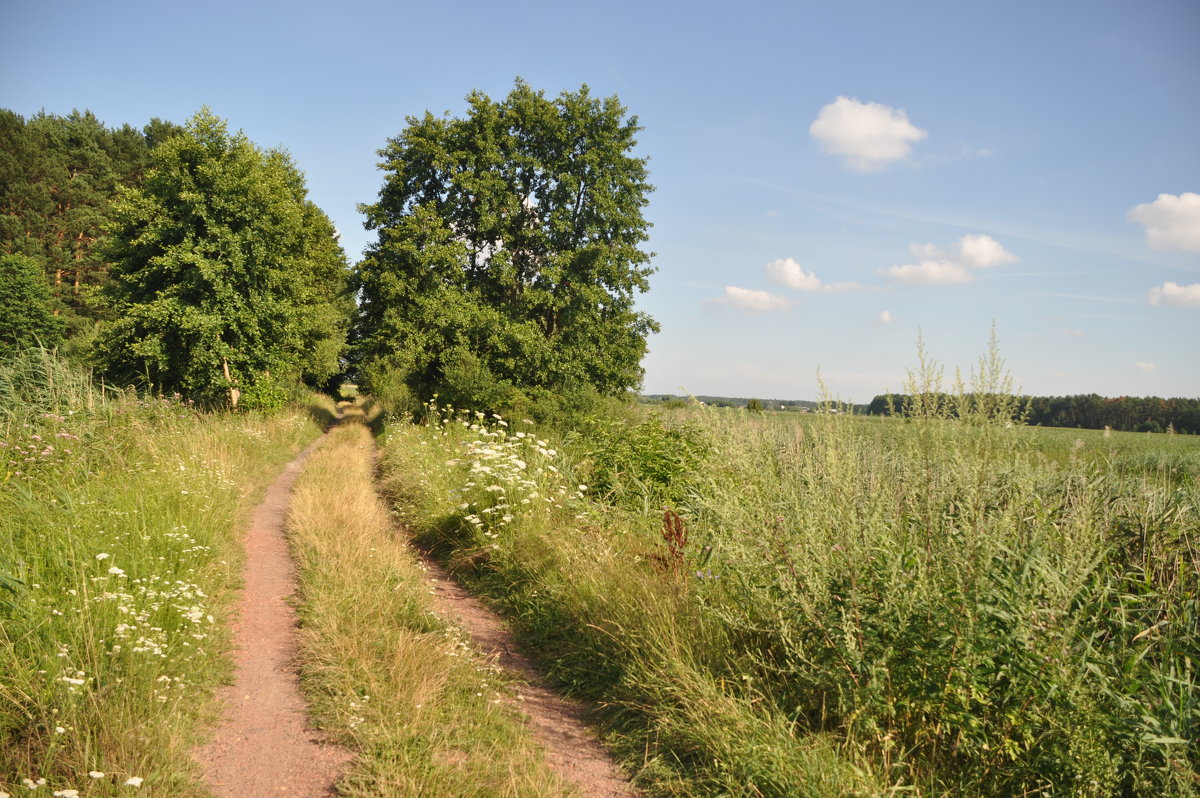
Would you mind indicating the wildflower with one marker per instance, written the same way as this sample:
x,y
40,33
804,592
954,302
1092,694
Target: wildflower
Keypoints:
x,y
115,571
134,781
96,774
59,730
67,793
102,556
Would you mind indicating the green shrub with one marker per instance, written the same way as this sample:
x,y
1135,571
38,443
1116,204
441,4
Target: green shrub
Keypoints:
x,y
267,393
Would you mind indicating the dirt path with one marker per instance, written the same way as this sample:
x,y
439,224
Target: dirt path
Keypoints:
x,y
557,722
262,744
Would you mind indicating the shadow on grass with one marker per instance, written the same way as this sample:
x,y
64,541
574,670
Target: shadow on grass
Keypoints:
x,y
322,413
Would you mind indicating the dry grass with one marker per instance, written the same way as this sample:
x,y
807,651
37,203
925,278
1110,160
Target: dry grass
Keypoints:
x,y
385,675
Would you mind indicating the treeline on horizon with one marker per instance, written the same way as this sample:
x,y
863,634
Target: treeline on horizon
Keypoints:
x,y
1087,411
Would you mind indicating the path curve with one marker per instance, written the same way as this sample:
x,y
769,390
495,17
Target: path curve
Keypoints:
x,y
263,745
557,722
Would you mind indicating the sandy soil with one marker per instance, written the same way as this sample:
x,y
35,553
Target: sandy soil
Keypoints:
x,y
263,744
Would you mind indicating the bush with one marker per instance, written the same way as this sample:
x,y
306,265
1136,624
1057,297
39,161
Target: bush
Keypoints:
x,y
266,393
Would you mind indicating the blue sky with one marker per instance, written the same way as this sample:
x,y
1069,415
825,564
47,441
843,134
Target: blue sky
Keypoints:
x,y
831,177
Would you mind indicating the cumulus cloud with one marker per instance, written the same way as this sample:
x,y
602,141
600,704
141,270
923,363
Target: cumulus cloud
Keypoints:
x,y
1146,366
929,272
886,317
787,272
1171,222
983,252
1187,296
749,300
868,135
935,266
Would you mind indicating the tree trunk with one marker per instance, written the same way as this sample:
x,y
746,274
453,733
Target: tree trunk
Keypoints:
x,y
234,393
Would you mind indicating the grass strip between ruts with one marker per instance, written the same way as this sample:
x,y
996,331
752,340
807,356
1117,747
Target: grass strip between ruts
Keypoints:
x,y
382,672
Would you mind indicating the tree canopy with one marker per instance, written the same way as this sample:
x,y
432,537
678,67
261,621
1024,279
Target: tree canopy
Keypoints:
x,y
509,252
58,177
224,275
26,306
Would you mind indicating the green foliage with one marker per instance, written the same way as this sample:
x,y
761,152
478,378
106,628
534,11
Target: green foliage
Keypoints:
x,y
265,393
26,306
508,254
641,464
754,406
58,178
220,262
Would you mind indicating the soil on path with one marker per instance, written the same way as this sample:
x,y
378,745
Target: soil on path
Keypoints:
x,y
263,744
558,723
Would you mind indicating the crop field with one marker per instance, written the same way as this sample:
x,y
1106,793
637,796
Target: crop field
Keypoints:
x,y
820,604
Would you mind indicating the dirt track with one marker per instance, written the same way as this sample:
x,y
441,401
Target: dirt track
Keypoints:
x,y
263,744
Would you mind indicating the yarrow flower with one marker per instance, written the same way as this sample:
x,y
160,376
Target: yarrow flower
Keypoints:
x,y
96,774
134,781
102,556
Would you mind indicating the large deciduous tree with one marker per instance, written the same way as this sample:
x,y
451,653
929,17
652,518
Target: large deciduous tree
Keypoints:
x,y
509,252
224,275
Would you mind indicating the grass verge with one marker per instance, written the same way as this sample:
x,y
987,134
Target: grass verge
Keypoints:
x,y
389,678
120,554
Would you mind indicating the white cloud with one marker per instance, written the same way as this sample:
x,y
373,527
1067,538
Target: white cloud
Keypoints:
x,y
1171,222
935,266
929,272
983,252
868,135
886,317
787,271
1187,296
1146,366
748,300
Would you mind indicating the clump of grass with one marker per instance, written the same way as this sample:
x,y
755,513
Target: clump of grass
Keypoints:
x,y
390,679
122,519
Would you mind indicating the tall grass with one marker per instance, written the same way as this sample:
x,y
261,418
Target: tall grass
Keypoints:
x,y
122,521
950,604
